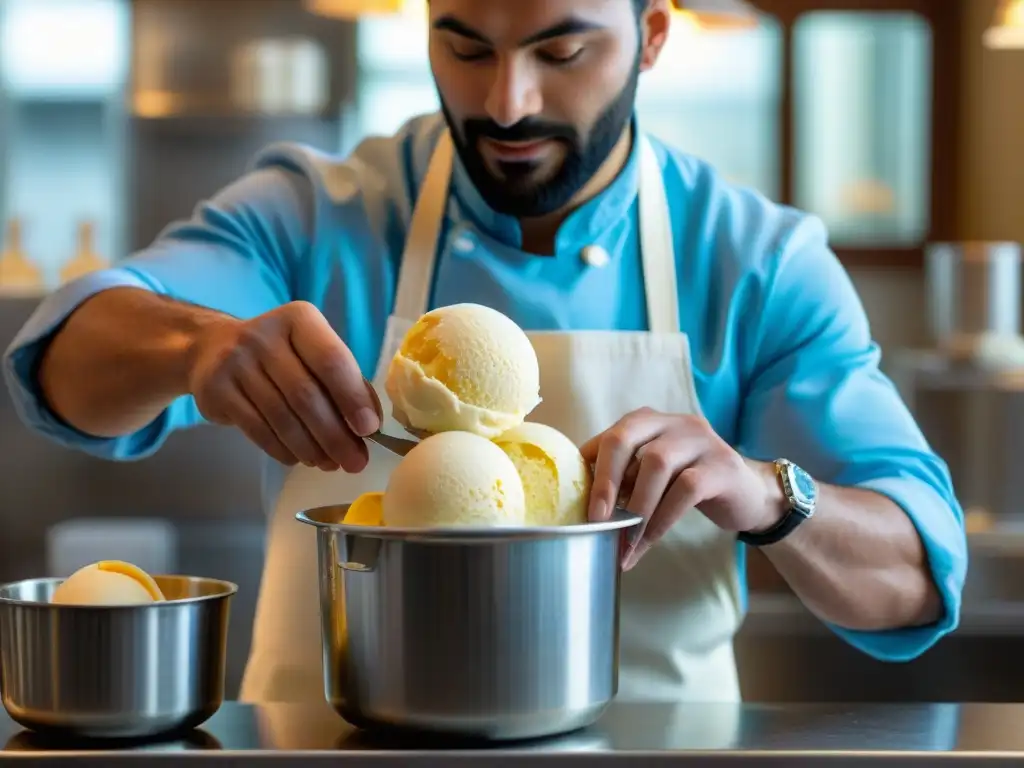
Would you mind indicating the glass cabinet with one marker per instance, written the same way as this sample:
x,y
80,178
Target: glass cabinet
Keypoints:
x,y
862,102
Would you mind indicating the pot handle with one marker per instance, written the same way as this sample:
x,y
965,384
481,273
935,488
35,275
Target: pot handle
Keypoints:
x,y
358,553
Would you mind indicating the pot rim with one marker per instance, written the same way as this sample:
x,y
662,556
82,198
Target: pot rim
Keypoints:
x,y
219,590
324,518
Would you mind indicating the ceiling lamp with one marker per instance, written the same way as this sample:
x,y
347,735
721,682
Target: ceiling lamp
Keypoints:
x,y
1007,30
717,14
353,9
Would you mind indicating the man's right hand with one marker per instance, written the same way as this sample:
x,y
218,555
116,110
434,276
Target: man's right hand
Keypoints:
x,y
289,383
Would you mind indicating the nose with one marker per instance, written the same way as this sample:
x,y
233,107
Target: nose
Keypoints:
x,y
514,95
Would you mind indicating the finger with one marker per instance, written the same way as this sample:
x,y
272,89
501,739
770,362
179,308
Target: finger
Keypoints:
x,y
334,366
663,462
272,406
590,448
308,400
656,470
616,450
628,484
653,479
693,486
245,416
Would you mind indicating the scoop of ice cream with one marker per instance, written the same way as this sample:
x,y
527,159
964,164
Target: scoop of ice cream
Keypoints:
x,y
109,582
454,479
368,509
556,478
466,368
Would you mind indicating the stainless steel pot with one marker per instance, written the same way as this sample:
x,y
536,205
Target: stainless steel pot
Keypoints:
x,y
114,671
494,633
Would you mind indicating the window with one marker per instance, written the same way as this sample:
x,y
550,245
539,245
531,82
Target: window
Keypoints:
x,y
862,97
395,83
717,96
63,67
63,47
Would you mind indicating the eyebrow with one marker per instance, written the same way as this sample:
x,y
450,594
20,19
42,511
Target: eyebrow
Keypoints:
x,y
570,26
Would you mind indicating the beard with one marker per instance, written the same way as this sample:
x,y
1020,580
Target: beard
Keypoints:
x,y
517,192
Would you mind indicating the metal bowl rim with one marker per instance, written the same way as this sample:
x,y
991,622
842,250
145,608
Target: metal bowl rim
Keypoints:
x,y
230,589
620,519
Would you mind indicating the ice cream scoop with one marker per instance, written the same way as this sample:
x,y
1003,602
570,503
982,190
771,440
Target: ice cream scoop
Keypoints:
x,y
108,582
556,478
454,479
464,367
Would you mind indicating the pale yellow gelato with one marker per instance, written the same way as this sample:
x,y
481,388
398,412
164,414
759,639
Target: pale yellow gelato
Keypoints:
x,y
454,479
466,368
109,582
556,478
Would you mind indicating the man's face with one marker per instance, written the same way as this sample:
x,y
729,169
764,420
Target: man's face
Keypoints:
x,y
536,92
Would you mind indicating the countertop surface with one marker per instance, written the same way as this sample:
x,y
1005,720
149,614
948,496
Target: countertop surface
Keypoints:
x,y
812,734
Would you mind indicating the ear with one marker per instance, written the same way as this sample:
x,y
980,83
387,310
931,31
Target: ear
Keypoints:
x,y
654,26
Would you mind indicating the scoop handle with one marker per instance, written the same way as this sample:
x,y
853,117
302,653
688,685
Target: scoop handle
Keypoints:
x,y
396,445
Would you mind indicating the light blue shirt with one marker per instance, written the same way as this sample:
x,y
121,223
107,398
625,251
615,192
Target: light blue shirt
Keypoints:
x,y
783,358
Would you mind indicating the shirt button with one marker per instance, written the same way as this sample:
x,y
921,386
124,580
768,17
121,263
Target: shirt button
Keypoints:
x,y
595,256
463,244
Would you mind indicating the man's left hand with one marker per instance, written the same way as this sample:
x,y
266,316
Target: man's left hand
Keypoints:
x,y
678,463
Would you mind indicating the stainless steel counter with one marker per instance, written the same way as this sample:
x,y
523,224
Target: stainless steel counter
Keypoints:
x,y
762,735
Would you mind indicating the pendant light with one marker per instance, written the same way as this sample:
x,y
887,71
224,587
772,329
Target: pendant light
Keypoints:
x,y
353,9
717,14
1007,30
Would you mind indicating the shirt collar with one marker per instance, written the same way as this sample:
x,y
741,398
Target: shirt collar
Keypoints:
x,y
583,226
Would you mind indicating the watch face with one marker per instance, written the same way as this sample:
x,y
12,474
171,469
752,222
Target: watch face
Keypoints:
x,y
804,487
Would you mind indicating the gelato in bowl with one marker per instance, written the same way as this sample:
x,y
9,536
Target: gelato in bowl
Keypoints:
x,y
113,653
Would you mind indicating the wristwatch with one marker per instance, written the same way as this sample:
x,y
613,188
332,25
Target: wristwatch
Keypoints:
x,y
801,494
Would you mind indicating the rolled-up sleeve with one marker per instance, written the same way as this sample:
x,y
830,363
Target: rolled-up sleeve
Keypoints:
x,y
816,395
236,254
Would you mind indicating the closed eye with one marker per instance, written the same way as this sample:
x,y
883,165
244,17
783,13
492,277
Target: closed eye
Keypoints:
x,y
562,60
473,55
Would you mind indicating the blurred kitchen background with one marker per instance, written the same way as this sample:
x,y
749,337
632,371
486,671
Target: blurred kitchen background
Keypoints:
x,y
900,122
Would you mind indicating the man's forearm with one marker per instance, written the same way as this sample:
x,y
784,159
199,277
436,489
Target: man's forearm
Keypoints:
x,y
858,563
120,359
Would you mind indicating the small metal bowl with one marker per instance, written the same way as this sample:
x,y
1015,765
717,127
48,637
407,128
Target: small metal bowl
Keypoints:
x,y
114,672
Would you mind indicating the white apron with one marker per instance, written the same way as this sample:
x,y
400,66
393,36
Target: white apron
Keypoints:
x,y
680,604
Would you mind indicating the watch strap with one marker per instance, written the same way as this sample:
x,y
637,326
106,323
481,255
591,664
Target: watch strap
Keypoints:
x,y
777,532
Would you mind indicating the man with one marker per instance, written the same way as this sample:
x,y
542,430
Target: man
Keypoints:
x,y
691,335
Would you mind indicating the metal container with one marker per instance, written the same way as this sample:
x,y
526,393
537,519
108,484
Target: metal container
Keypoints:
x,y
974,291
114,671
479,633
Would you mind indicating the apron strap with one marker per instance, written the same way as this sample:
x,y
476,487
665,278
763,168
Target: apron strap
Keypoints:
x,y
416,271
657,248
